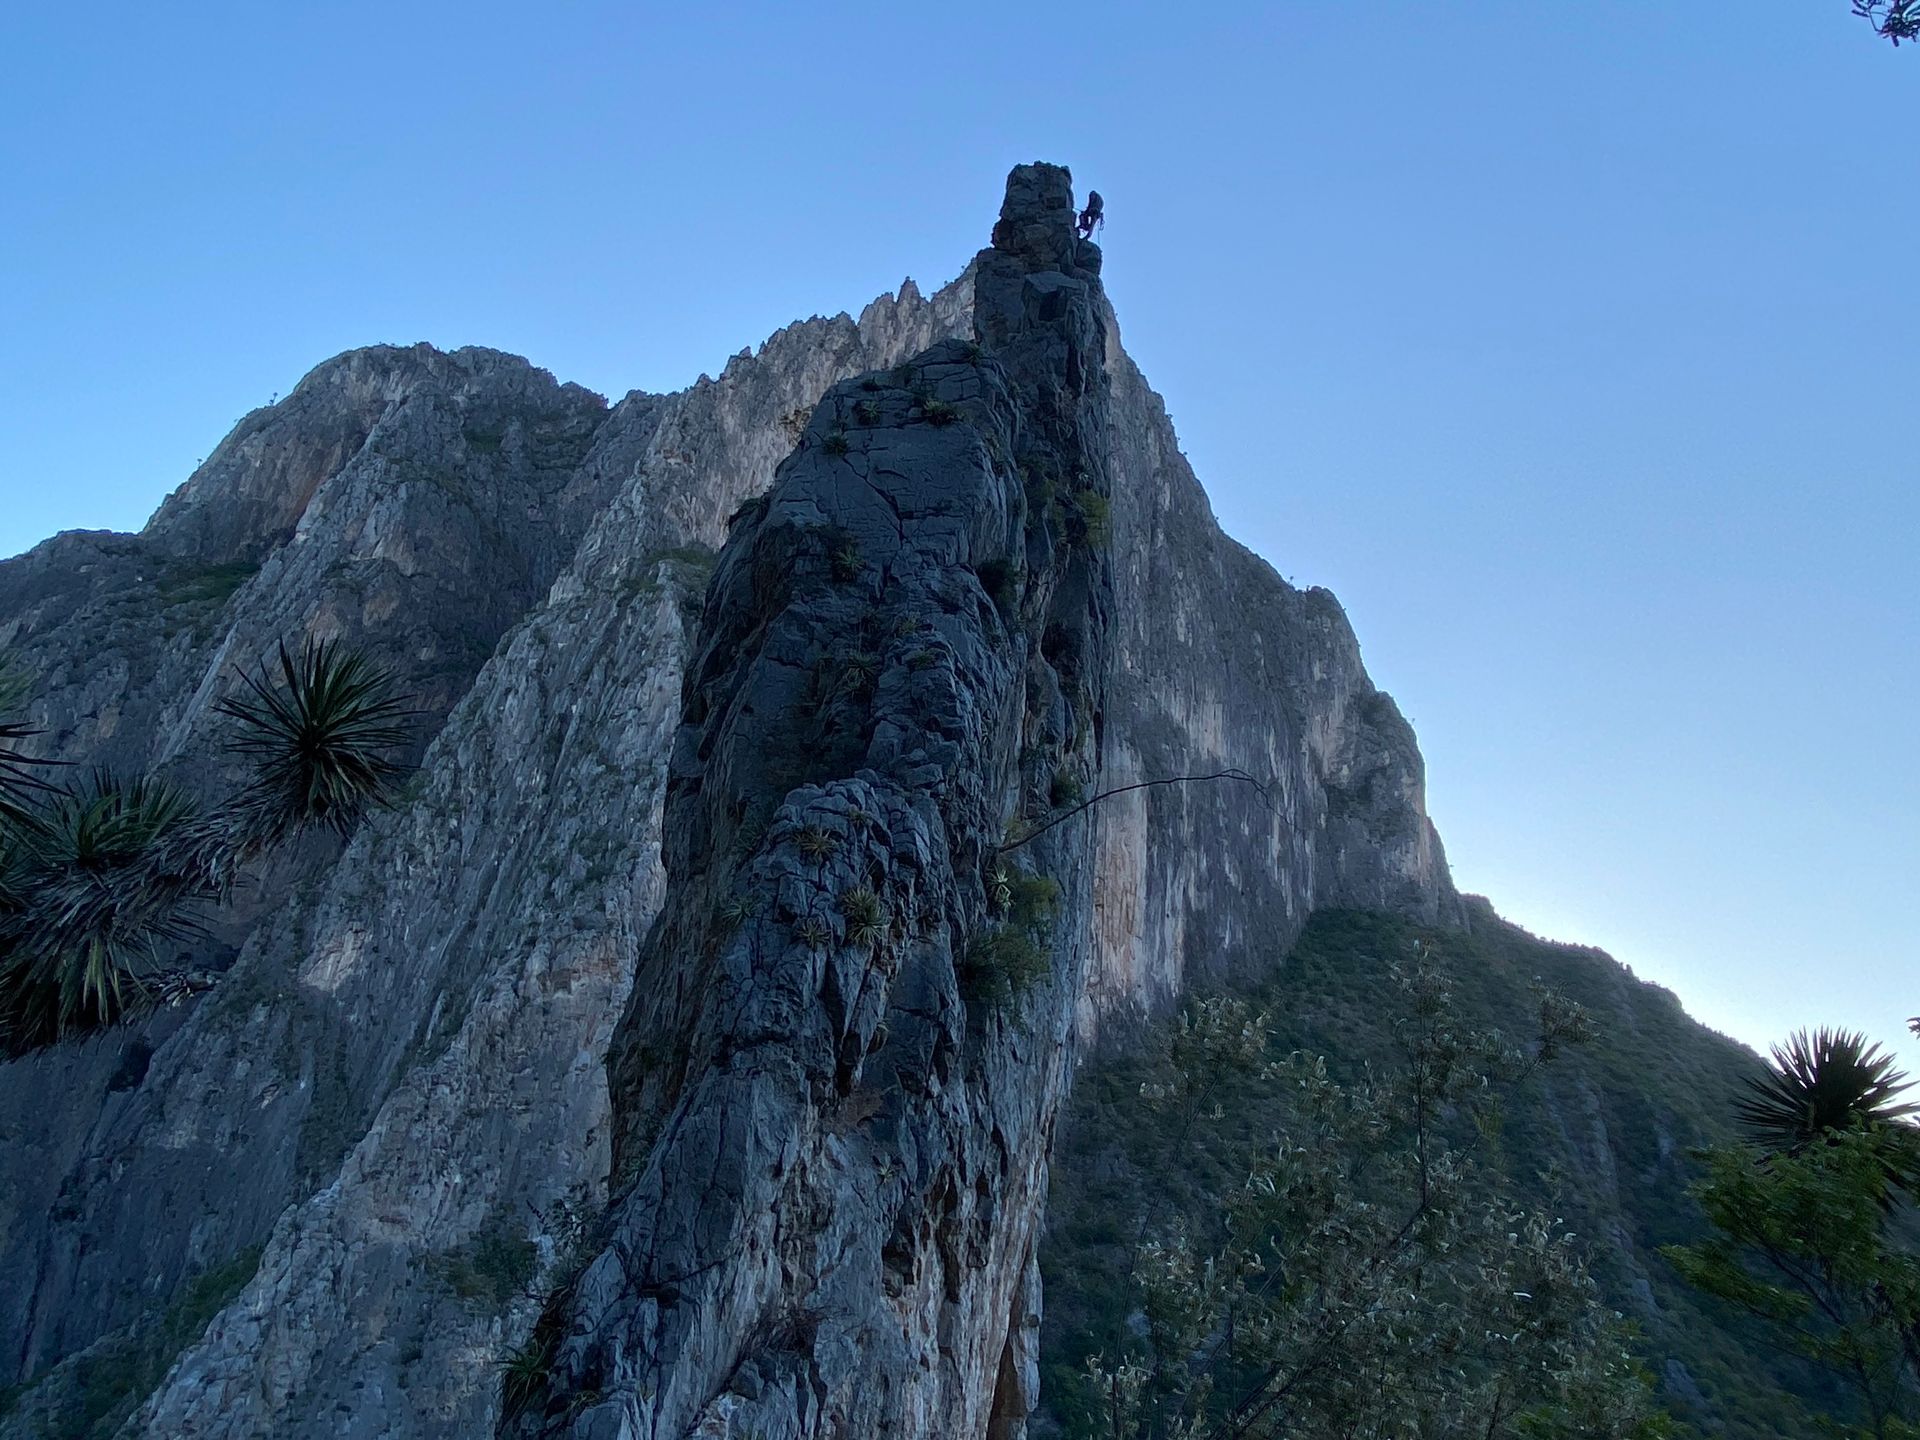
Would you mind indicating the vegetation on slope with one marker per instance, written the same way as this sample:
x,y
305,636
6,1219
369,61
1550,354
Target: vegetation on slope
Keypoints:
x,y
1605,1136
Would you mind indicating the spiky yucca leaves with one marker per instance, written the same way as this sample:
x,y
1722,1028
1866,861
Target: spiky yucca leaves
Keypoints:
x,y
319,743
1822,1083
20,785
97,879
93,890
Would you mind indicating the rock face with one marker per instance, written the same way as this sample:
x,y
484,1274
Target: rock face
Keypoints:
x,y
840,1157
494,1038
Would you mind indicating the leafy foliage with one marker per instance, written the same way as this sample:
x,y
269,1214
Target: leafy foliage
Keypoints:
x,y
866,917
1805,1241
1003,961
1893,20
1367,1277
98,888
1599,1139
20,781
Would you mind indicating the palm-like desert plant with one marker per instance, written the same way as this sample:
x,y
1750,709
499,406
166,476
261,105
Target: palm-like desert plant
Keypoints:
x,y
320,743
20,784
1823,1082
98,878
95,894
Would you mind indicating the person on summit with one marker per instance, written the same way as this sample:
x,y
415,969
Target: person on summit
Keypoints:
x,y
1094,216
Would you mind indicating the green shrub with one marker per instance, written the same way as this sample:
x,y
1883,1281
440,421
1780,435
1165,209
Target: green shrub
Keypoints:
x,y
204,584
1004,960
1093,516
490,1269
1066,789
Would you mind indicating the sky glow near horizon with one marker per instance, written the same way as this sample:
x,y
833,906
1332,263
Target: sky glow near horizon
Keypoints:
x,y
1570,346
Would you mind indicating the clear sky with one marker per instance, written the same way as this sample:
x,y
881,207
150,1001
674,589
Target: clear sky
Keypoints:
x,y
1571,345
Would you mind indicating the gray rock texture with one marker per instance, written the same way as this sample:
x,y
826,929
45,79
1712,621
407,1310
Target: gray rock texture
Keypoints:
x,y
838,1135
493,1080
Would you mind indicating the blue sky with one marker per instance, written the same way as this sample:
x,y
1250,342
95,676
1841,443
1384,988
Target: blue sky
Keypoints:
x,y
1571,345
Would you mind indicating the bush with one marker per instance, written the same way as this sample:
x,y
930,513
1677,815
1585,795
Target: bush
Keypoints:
x,y
1005,960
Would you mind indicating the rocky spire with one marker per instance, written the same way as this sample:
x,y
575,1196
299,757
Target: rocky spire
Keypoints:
x,y
838,1079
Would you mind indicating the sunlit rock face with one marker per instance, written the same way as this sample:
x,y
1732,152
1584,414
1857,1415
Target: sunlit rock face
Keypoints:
x,y
496,1058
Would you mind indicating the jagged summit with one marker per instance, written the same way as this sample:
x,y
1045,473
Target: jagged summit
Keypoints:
x,y
498,1036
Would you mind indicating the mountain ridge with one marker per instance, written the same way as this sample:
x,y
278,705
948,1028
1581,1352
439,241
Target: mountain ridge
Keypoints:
x,y
408,1072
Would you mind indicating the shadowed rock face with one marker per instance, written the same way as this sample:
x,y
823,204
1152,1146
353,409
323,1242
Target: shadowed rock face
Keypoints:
x,y
431,1084
839,1156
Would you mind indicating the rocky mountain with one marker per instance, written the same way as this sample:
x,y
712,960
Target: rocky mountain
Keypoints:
x,y
685,1053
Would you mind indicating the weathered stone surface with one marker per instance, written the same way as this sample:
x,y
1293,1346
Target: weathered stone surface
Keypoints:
x,y
404,1080
1222,665
839,1153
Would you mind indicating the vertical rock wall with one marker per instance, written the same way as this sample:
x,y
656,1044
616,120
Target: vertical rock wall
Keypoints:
x,y
834,1111
400,1098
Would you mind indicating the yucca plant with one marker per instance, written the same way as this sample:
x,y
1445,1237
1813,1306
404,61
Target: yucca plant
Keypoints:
x,y
1821,1083
20,781
94,892
320,743
99,878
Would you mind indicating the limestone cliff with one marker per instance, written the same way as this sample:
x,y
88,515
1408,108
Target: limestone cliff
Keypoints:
x,y
496,1037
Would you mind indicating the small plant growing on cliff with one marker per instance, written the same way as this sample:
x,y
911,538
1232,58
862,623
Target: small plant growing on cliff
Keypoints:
x,y
836,443
940,412
1066,789
1093,517
858,672
813,932
524,1373
866,917
737,909
844,561
866,412
815,843
794,422
1005,960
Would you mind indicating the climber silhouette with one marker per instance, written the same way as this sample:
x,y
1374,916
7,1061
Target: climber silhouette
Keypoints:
x,y
1094,216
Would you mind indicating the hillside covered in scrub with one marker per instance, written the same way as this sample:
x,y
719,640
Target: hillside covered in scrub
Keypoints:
x,y
824,787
